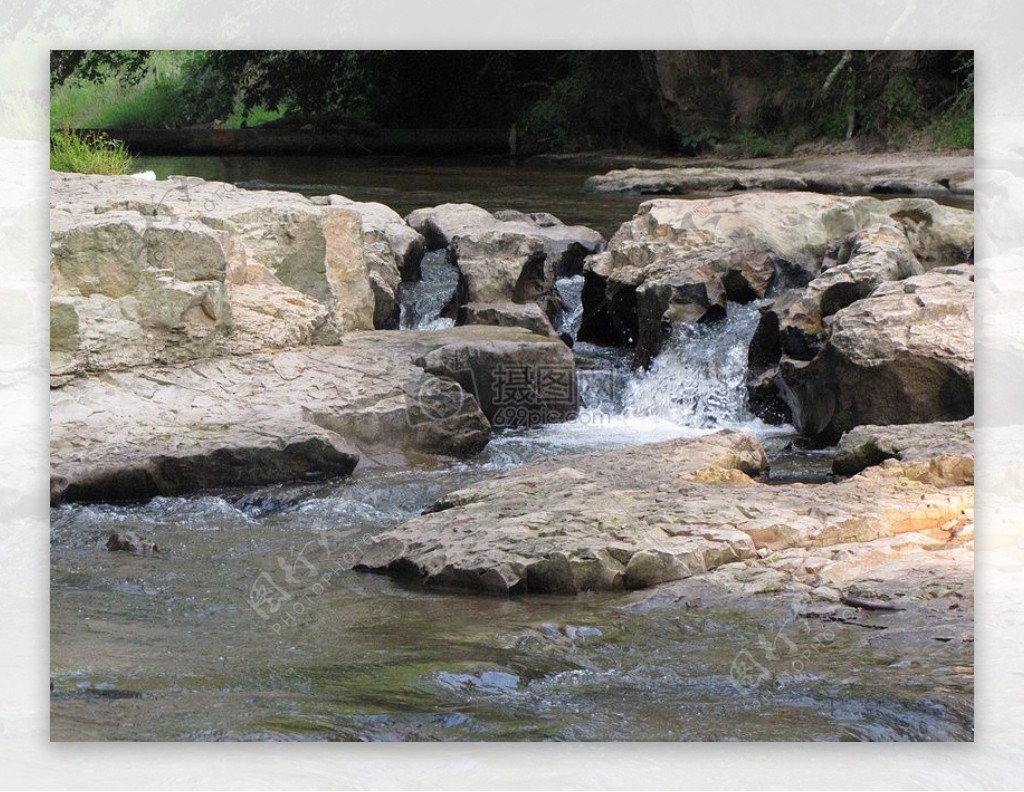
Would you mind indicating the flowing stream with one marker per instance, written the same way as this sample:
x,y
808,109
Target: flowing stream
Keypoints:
x,y
167,647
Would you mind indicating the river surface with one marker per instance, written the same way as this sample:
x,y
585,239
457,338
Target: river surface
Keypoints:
x,y
407,183
169,647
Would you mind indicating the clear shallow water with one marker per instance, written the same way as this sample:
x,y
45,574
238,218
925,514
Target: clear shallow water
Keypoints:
x,y
168,647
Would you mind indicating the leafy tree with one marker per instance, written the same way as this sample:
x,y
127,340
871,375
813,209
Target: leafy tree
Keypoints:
x,y
96,65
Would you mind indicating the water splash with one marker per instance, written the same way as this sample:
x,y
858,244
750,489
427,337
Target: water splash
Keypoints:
x,y
570,292
421,302
700,377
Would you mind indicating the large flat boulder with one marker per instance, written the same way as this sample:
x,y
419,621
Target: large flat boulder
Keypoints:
x,y
247,420
169,271
680,181
924,175
637,517
904,354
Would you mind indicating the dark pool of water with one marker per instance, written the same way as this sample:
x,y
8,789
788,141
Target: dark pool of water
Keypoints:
x,y
405,183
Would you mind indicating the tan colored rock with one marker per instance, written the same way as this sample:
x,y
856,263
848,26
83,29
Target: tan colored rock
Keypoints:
x,y
641,516
680,181
929,175
678,260
152,272
523,381
512,257
392,249
274,416
905,354
508,314
128,291
940,453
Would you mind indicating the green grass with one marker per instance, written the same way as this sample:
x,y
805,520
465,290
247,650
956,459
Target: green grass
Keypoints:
x,y
257,116
154,101
752,144
955,130
157,101
96,154
158,104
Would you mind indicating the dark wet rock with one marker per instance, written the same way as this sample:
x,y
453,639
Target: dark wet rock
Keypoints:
x,y
131,542
485,681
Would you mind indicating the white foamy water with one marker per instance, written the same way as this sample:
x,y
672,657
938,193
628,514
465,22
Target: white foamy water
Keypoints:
x,y
570,292
696,385
421,302
699,379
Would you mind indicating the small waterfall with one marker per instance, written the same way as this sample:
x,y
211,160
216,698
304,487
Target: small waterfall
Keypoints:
x,y
421,302
570,292
699,379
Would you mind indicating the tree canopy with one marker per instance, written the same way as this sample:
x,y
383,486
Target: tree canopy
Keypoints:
x,y
568,100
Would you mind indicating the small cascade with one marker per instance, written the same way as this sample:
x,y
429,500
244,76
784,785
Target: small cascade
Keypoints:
x,y
570,292
699,379
422,302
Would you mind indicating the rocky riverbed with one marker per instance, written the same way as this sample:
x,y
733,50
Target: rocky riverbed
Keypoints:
x,y
237,353
930,175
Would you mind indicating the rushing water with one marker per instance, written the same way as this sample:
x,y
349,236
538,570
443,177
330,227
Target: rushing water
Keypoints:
x,y
167,647
422,302
570,293
700,377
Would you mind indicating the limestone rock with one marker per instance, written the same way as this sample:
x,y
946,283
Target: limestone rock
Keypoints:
x,y
393,251
129,290
680,181
872,256
169,271
637,517
527,382
905,354
939,453
926,175
507,257
679,260
507,314
286,415
205,459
